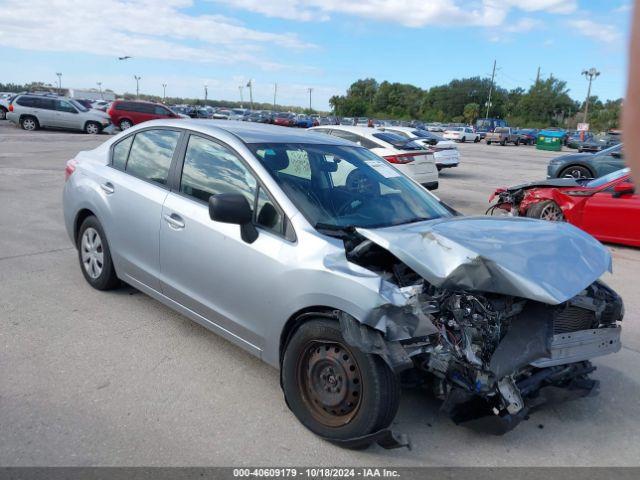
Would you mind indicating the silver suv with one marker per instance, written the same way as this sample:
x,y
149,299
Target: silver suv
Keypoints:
x,y
327,262
32,111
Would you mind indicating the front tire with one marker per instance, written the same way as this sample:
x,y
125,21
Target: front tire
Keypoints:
x,y
547,210
334,389
125,124
95,256
576,171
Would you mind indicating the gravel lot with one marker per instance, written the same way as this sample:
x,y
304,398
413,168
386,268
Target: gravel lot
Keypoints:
x,y
92,378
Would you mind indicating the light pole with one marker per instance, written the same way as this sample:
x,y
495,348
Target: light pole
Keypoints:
x,y
206,92
137,85
100,88
240,87
590,74
250,85
59,74
164,92
275,92
310,89
493,75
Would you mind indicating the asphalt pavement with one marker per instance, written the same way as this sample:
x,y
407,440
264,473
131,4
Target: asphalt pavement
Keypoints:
x,y
94,378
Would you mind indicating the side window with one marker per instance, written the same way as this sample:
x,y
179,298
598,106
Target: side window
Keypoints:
x,y
46,103
346,135
64,106
365,142
299,165
151,154
25,101
158,110
121,152
210,168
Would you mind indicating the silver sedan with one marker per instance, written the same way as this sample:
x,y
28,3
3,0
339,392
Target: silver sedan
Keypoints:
x,y
328,263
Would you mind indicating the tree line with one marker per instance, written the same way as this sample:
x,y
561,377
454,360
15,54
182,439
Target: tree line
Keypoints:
x,y
546,103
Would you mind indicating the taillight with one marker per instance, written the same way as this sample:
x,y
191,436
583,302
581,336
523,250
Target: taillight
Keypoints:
x,y
11,107
69,168
400,159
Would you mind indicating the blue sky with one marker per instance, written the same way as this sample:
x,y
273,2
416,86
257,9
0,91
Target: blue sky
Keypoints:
x,y
322,44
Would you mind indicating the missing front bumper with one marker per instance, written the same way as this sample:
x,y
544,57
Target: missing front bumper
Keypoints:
x,y
581,345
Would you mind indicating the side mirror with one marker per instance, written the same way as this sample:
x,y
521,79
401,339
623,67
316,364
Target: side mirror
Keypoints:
x,y
624,188
234,208
616,154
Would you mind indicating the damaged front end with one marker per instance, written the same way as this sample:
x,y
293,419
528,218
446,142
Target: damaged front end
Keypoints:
x,y
479,322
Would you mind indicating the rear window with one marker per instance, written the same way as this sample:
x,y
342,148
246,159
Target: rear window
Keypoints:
x,y
501,130
151,154
391,138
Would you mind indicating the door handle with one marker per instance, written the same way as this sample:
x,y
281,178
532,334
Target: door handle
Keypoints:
x,y
174,221
107,188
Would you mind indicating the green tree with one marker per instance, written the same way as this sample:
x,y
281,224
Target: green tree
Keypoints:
x,y
471,112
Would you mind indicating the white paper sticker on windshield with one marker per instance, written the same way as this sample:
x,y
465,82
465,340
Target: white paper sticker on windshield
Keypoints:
x,y
382,168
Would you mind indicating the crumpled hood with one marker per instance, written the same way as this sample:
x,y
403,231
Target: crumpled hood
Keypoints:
x,y
535,259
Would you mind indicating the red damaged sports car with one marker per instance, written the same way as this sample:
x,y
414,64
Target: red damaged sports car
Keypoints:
x,y
607,207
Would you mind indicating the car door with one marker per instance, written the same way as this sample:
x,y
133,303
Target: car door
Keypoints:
x,y
135,189
611,217
45,111
206,266
66,115
609,161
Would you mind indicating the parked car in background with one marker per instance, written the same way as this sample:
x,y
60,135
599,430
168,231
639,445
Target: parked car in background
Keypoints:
x,y
32,111
587,165
127,113
576,139
487,125
600,142
461,134
305,121
221,114
527,136
445,152
101,105
260,117
237,113
84,102
607,207
405,154
336,269
503,135
285,119
202,112
4,105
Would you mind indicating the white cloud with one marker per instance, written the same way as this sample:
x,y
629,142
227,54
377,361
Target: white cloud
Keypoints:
x,y
410,13
598,31
140,28
624,8
523,25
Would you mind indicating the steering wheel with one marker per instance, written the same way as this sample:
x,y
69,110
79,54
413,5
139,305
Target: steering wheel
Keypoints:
x,y
350,208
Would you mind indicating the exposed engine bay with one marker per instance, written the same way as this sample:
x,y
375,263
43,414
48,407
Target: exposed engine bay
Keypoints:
x,y
490,357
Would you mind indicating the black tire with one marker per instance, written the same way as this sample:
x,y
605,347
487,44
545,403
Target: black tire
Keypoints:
x,y
125,124
547,210
363,384
476,140
29,123
107,279
93,128
463,139
517,142
488,142
576,171
503,143
3,113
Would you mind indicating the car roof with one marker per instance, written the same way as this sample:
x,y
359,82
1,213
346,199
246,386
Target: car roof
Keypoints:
x,y
250,132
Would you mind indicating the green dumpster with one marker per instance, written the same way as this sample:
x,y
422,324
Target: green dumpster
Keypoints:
x,y
549,140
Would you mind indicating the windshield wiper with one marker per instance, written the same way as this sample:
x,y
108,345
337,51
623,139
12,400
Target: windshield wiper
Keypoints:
x,y
340,231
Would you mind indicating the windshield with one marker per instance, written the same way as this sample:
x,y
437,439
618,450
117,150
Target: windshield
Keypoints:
x,y
501,130
338,186
598,182
79,106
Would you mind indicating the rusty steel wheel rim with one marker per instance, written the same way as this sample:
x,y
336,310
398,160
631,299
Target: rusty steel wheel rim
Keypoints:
x,y
331,382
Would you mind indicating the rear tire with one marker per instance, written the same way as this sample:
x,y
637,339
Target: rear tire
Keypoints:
x,y
334,389
463,139
125,124
476,140
93,128
503,143
547,210
29,123
95,256
576,171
